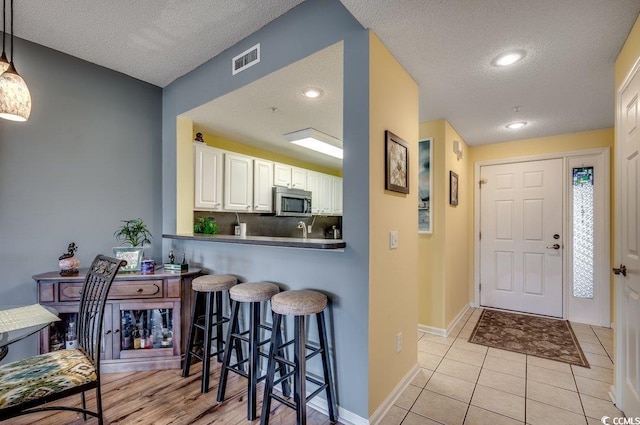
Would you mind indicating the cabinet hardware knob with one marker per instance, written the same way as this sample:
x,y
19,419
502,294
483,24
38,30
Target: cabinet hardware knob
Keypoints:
x,y
116,331
139,290
108,332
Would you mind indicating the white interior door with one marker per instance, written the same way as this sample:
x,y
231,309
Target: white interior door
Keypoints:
x,y
521,247
628,287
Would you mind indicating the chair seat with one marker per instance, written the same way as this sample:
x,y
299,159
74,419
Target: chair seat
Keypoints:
x,y
213,282
40,376
253,292
301,302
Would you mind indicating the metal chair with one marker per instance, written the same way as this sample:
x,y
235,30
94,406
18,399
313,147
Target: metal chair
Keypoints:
x,y
27,384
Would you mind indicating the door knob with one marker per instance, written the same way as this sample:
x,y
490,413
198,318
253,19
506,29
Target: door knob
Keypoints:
x,y
554,246
621,270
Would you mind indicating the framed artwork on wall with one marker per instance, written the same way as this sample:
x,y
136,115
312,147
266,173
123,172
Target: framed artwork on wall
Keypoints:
x,y
453,188
396,163
425,216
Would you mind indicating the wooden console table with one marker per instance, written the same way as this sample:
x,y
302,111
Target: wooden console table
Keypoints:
x,y
146,320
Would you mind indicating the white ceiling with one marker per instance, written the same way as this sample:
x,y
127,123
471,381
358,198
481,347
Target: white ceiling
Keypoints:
x,y
564,84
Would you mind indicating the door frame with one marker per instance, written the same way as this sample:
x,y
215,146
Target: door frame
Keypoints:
x,y
603,248
619,360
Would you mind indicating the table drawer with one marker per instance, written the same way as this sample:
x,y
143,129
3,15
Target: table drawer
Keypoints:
x,y
124,289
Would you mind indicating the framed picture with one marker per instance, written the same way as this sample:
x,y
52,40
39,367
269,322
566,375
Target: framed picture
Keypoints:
x,y
396,163
425,153
453,188
132,255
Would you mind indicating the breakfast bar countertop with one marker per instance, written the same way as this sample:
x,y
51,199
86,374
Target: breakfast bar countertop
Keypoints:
x,y
330,244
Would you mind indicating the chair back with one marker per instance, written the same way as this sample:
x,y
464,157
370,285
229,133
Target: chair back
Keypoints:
x,y
92,303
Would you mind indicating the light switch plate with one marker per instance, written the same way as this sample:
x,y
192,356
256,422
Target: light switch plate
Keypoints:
x,y
393,239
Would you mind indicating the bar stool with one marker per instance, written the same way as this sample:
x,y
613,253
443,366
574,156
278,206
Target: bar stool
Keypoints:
x,y
253,293
300,304
209,289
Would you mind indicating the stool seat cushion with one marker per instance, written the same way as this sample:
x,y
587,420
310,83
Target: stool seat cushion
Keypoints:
x,y
253,292
213,282
299,302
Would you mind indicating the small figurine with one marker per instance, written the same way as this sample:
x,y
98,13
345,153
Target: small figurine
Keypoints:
x,y
172,258
69,265
199,138
184,259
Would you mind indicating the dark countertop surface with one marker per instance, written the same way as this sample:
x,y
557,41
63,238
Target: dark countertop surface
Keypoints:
x,y
264,240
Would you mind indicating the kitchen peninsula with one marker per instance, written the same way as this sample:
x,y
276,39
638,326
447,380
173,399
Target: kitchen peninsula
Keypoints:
x,y
331,244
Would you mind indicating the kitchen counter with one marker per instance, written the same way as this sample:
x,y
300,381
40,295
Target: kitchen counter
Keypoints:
x,y
264,240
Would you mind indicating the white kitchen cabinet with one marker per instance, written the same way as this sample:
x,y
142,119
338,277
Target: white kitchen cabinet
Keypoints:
x,y
238,182
281,175
208,177
299,178
337,195
313,186
325,200
262,185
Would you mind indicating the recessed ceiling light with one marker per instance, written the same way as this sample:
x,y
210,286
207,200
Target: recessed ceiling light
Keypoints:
x,y
516,125
312,92
508,58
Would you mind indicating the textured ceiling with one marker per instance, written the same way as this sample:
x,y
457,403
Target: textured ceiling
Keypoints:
x,y
564,84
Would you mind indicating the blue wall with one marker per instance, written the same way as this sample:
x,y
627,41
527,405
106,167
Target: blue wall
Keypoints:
x,y
88,157
344,276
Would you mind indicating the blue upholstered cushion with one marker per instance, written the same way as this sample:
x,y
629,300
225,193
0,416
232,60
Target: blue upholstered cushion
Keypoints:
x,y
35,377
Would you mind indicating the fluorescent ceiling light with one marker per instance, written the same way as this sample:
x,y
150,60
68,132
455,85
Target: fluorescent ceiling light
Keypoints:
x,y
313,139
516,125
508,58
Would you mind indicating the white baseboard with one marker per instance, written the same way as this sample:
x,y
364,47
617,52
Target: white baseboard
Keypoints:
x,y
445,332
344,416
382,410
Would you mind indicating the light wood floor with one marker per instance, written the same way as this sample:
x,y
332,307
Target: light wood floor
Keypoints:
x,y
164,397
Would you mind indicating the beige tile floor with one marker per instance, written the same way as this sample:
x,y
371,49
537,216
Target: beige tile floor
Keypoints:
x,y
463,383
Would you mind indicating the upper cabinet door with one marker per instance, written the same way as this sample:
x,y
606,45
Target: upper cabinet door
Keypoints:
x,y
337,195
208,177
299,178
238,182
313,185
281,175
262,185
326,194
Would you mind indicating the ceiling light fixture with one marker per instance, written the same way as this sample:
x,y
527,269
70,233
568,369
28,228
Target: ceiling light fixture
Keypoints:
x,y
318,141
508,58
15,99
4,62
516,125
312,92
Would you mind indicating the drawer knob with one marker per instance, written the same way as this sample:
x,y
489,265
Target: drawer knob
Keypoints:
x,y
139,290
108,332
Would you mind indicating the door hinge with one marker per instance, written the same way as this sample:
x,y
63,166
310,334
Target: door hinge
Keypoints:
x,y
480,235
480,287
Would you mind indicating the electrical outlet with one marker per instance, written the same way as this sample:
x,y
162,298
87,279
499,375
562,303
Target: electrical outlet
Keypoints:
x,y
393,239
309,229
399,342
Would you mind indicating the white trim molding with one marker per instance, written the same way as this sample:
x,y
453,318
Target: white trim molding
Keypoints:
x,y
445,332
388,402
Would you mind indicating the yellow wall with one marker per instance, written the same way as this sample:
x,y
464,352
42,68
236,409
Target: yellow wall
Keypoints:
x,y
544,145
229,145
457,250
628,54
393,281
185,184
431,246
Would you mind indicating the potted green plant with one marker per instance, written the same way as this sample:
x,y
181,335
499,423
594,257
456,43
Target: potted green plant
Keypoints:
x,y
206,225
134,232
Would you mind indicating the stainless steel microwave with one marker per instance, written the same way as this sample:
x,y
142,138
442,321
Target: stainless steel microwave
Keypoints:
x,y
291,202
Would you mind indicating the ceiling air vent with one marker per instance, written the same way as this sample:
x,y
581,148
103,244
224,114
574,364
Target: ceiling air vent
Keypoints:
x,y
246,59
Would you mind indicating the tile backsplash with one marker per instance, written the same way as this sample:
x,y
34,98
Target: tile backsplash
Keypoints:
x,y
269,225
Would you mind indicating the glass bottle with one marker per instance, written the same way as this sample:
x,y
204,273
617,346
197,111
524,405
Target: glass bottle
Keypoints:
x,y
71,339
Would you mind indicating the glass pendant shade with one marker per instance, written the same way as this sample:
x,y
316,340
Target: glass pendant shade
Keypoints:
x,y
4,63
15,99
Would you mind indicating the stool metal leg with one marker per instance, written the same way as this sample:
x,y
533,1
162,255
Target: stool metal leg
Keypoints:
x,y
300,381
192,334
254,357
206,355
224,373
282,367
271,371
326,366
219,315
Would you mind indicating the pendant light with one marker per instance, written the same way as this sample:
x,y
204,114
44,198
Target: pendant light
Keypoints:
x,y
4,62
15,99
